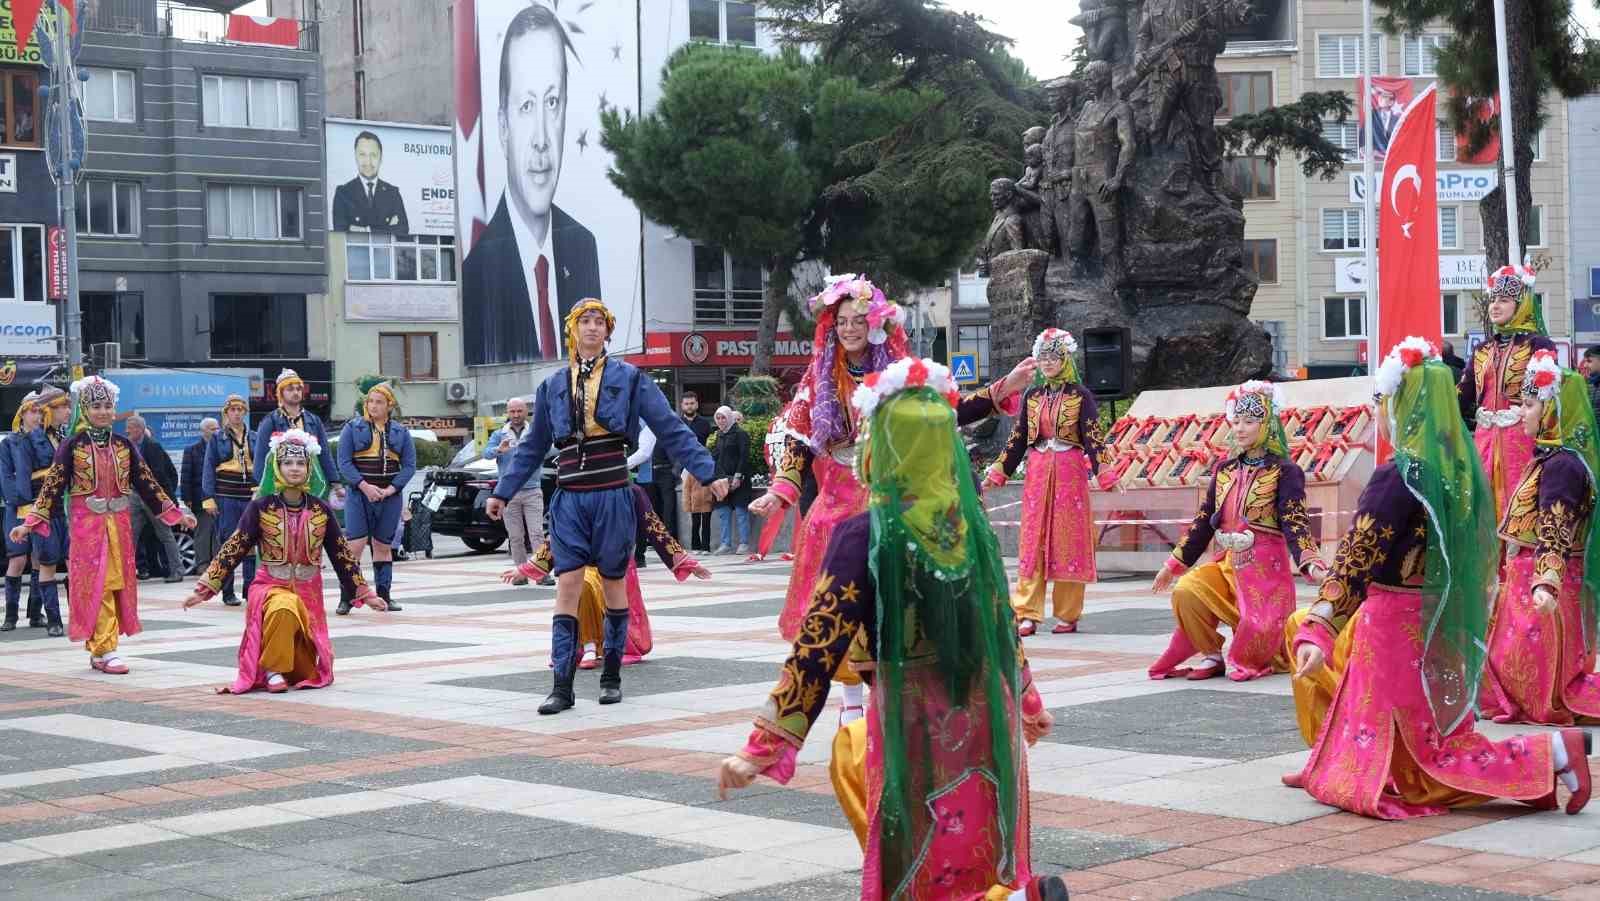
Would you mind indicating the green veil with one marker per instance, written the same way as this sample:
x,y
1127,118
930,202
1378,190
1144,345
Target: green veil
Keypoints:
x,y
1439,464
943,613
1528,318
1579,435
1069,373
272,479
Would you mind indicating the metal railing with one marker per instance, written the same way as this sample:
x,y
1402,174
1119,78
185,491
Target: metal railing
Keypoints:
x,y
166,19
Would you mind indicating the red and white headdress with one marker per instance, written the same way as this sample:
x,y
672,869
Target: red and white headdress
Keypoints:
x,y
1056,341
295,443
1543,376
1510,281
1254,399
903,374
1410,353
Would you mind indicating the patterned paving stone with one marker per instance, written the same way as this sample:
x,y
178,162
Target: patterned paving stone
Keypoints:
x,y
347,646
1076,849
657,675
752,608
11,694
1133,621
1323,882
524,594
1193,723
21,751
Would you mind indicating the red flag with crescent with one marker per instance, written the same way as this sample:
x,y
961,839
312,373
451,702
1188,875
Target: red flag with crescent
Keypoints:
x,y
1408,229
24,13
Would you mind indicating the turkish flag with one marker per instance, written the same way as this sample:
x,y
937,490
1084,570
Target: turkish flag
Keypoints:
x,y
25,13
265,30
1408,229
1484,109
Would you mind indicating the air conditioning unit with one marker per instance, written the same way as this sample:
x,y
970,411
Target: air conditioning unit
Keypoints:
x,y
460,390
106,356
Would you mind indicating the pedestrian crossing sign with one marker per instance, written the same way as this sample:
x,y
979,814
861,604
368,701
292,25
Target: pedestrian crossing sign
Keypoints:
x,y
964,368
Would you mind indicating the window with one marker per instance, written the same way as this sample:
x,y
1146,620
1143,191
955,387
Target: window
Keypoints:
x,y
108,208
726,290
1341,228
237,102
22,265
1450,313
1254,177
1421,52
1445,142
19,90
1261,257
409,355
401,258
253,211
722,21
1244,92
114,318
258,325
108,95
1538,146
1535,235
1343,317
974,339
1339,56
1344,135
1449,227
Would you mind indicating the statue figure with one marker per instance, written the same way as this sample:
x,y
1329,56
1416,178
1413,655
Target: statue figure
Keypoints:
x,y
1032,158
1056,185
1105,29
1102,150
1178,43
1009,230
1040,221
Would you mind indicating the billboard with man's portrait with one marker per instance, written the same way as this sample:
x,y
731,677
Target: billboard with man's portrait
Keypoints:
x,y
390,179
540,226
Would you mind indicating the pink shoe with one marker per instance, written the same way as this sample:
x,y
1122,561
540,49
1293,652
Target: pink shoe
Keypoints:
x,y
1210,669
1027,628
588,661
1167,666
1064,629
111,666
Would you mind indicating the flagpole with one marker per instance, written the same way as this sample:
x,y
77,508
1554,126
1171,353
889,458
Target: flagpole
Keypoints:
x,y
1369,225
1508,146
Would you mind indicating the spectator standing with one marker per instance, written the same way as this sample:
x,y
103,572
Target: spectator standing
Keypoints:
x,y
155,457
1590,367
697,498
733,463
525,511
190,492
1456,364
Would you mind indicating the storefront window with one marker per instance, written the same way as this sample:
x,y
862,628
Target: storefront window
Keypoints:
x,y
114,318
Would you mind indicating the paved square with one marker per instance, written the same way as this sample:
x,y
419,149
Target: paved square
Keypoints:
x,y
424,772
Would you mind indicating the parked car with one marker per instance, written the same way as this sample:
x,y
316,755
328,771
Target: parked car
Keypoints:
x,y
462,493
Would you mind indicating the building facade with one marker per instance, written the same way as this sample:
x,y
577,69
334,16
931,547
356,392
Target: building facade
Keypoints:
x,y
1304,234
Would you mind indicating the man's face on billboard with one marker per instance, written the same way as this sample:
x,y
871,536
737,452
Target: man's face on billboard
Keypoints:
x,y
1383,99
533,121
369,156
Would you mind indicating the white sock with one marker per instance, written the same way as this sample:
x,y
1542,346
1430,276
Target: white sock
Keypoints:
x,y
1020,894
1558,755
855,695
1214,658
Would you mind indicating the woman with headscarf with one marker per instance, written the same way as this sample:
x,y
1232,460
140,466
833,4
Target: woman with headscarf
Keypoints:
x,y
1255,510
1542,633
859,333
1059,433
733,463
913,593
1413,581
285,643
1491,390
99,469
377,458
228,482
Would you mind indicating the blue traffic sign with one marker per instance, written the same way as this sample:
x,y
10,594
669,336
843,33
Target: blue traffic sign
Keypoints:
x,y
964,368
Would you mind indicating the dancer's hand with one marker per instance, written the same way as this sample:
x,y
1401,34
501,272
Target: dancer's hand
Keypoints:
x,y
20,533
766,505
735,772
1316,571
193,600
1308,661
700,571
1037,727
1544,600
495,508
1163,581
373,600
1019,376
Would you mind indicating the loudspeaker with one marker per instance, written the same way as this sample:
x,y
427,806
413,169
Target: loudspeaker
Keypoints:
x,y
1108,362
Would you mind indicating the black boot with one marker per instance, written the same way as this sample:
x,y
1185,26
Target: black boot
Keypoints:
x,y
344,602
616,640
228,597
564,654
383,581
52,608
36,618
13,601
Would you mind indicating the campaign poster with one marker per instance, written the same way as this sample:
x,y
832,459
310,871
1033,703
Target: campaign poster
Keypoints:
x,y
390,179
1381,106
540,225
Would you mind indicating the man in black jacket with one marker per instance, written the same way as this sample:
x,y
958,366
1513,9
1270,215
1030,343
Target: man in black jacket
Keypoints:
x,y
1590,367
189,491
155,456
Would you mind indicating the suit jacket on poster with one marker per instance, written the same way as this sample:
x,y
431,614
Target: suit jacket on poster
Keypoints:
x,y
496,315
384,213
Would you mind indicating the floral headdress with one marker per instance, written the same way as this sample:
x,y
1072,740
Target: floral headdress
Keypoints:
x,y
1516,283
1402,358
904,373
88,391
864,297
295,444
1543,376
1058,342
1259,401
830,372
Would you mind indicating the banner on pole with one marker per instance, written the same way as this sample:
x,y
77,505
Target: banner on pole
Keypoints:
x,y
1408,230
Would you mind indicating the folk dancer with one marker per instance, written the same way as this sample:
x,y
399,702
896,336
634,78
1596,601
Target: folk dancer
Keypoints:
x,y
228,482
99,470
377,457
1059,433
1255,509
15,469
592,604
592,411
1413,582
49,551
859,333
285,643
1542,632
912,593
292,414
1491,388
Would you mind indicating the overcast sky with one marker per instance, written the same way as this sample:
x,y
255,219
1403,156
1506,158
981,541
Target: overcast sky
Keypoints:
x,y
1040,31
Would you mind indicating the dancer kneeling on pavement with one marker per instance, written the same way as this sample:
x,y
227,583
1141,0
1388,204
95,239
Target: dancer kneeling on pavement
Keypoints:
x,y
1059,432
100,470
1541,634
1414,578
594,620
285,642
1256,511
913,592
592,410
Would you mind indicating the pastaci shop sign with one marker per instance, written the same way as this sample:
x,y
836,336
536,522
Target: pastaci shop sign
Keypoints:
x,y
1455,185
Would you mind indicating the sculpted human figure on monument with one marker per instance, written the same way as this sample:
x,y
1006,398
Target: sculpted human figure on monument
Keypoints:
x,y
1105,28
1009,230
1178,42
1102,150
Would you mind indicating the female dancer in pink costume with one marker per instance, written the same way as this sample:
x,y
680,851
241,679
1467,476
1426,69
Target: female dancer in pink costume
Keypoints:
x,y
1491,387
285,643
1414,579
1542,633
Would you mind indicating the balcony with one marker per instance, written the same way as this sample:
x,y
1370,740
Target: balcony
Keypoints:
x,y
196,22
